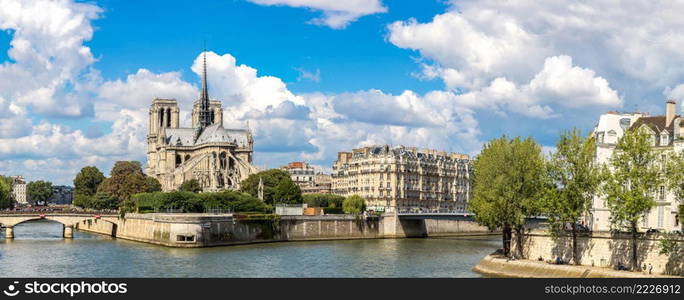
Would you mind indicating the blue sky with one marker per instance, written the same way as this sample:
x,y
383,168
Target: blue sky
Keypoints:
x,y
275,40
316,77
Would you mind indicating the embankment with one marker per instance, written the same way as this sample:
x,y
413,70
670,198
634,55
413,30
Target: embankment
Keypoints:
x,y
203,230
499,266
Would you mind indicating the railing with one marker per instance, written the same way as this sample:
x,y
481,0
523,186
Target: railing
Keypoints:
x,y
218,211
58,211
431,211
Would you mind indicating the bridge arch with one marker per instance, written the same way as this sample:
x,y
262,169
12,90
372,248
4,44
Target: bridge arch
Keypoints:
x,y
68,222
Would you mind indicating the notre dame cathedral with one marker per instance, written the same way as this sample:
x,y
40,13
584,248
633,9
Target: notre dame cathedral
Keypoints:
x,y
217,157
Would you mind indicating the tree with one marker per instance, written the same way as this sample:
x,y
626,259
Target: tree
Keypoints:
x,y
630,187
323,200
6,198
271,178
287,192
354,204
87,181
508,179
84,201
191,185
39,192
152,185
574,180
119,178
675,179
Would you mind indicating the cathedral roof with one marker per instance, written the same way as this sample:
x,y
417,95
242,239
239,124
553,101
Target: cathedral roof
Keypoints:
x,y
214,133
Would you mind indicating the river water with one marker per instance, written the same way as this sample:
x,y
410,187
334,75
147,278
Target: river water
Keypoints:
x,y
39,250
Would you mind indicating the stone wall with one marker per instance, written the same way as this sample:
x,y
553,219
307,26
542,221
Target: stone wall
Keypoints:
x,y
200,230
604,249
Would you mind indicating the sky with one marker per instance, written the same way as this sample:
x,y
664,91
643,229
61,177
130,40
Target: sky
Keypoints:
x,y
315,77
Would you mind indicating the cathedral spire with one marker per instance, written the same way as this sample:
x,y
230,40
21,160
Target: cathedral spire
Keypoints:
x,y
205,112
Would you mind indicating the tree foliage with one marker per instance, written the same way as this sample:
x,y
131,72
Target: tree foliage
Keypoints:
x,y
191,185
287,192
39,192
152,185
6,198
323,200
87,181
632,183
573,182
354,204
125,179
194,202
271,178
508,180
675,179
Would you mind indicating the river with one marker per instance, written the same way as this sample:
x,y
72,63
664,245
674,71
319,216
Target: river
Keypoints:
x,y
39,250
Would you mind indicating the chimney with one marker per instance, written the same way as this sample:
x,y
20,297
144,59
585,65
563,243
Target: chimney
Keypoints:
x,y
669,111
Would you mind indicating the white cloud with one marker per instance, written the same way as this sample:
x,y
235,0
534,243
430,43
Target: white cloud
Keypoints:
x,y
49,55
336,14
633,47
140,88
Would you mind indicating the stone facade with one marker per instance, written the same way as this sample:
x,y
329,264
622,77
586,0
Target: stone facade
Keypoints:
x,y
667,138
322,184
19,190
392,178
604,249
217,157
308,180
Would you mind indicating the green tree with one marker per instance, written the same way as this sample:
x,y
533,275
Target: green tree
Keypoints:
x,y
354,204
119,179
84,201
323,200
287,192
635,174
508,180
271,178
574,180
6,199
152,185
87,181
191,185
675,179
39,192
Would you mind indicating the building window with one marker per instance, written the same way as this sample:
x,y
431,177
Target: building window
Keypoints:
x,y
661,195
661,215
664,139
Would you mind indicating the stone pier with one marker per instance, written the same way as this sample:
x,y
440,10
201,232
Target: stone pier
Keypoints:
x,y
68,232
9,232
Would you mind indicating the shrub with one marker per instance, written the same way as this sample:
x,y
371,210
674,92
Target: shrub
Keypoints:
x,y
354,204
323,200
333,210
192,202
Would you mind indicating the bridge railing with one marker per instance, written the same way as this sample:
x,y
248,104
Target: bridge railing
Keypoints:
x,y
57,211
431,211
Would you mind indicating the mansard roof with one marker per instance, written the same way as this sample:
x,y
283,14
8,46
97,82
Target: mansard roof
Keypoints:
x,y
655,123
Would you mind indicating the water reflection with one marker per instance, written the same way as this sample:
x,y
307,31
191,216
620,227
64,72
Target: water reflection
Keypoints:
x,y
40,251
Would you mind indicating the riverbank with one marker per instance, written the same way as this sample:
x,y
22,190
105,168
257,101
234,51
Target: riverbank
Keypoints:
x,y
202,230
498,266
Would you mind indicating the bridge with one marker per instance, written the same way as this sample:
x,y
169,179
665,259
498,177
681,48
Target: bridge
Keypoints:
x,y
422,213
68,219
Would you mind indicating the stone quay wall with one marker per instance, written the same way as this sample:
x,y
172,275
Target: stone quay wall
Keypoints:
x,y
200,230
604,249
